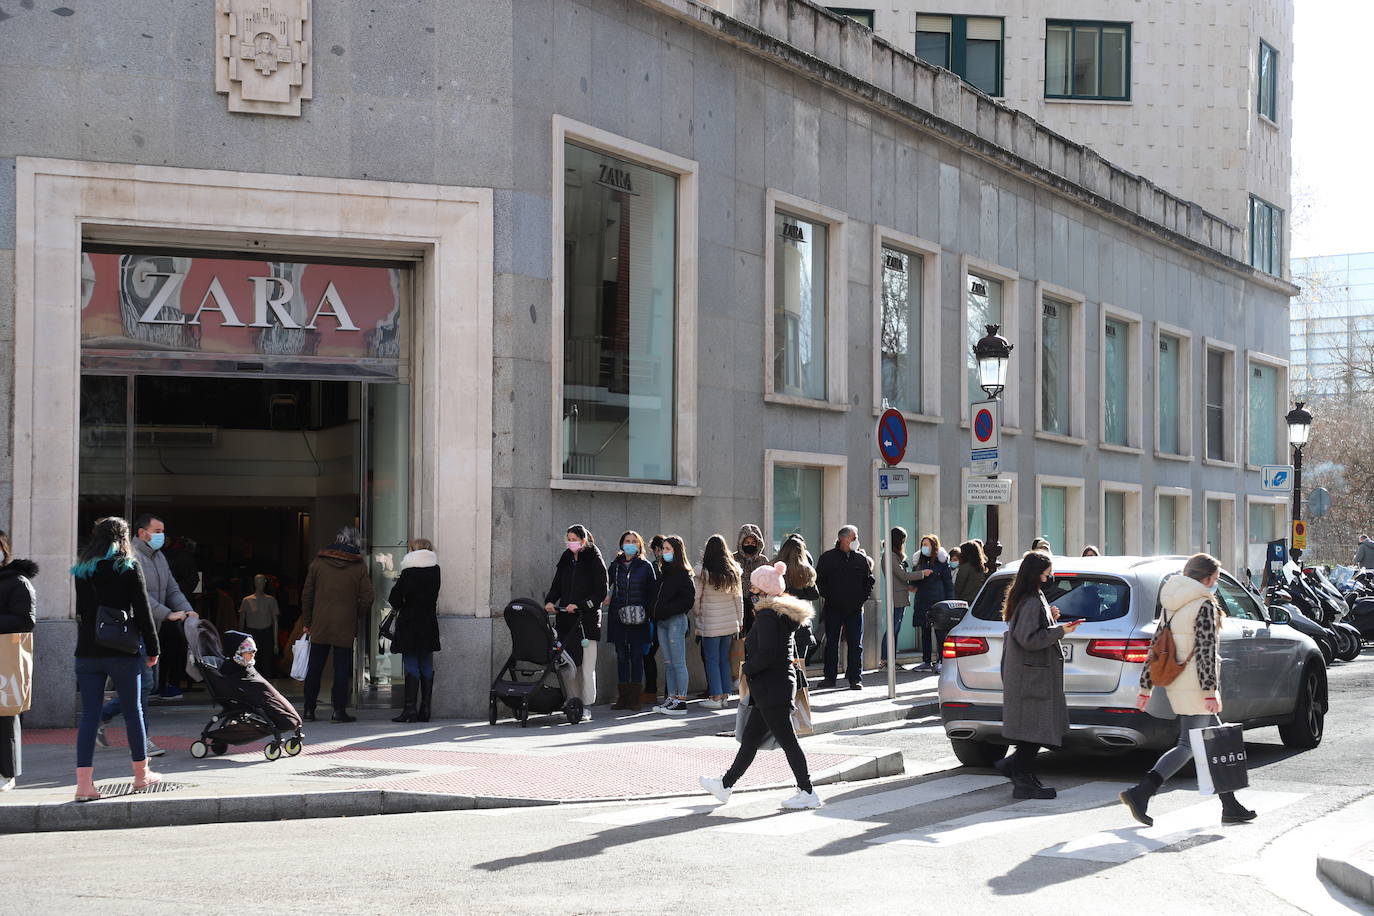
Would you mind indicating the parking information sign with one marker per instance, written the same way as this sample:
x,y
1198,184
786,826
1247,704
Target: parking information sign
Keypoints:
x,y
986,429
1276,478
893,482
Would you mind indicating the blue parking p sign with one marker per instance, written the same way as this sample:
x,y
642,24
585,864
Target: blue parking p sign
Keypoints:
x,y
1276,478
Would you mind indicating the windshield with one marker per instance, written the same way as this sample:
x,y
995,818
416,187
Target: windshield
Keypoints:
x,y
1086,598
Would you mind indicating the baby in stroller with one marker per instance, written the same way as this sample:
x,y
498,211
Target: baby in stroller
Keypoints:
x,y
251,707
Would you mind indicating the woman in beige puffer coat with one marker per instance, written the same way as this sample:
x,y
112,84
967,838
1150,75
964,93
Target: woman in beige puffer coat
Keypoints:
x,y
1187,601
718,617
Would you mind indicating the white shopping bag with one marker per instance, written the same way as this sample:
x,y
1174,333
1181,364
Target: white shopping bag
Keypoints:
x,y
300,658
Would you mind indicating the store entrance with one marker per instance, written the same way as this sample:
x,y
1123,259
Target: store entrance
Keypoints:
x,y
252,477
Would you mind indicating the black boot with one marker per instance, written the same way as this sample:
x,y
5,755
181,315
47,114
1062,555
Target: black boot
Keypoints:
x,y
309,714
1137,798
341,715
412,692
426,695
1025,785
1232,811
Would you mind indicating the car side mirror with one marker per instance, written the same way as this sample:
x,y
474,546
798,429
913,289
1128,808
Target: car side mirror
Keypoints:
x,y
1279,615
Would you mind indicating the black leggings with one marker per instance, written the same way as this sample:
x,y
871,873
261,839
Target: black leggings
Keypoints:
x,y
763,720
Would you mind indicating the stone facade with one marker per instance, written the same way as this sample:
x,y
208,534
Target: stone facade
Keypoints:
x,y
777,100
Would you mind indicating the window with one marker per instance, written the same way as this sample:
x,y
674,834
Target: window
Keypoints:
x,y
1057,347
1166,525
900,343
799,304
862,17
1054,519
1009,519
798,504
1268,82
971,46
1114,523
1087,60
1172,365
1219,528
984,298
1262,526
1218,385
1266,237
1236,602
1059,513
1089,598
1116,375
1263,419
619,319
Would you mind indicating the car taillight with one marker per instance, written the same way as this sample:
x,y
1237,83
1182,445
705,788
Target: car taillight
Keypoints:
x,y
960,646
1121,650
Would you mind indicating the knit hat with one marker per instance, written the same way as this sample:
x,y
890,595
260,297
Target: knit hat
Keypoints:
x,y
770,579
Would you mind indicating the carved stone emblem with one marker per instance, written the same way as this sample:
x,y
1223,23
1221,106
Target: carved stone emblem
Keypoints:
x,y
263,55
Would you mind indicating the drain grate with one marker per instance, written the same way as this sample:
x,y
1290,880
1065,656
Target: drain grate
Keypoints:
x,y
356,773
108,789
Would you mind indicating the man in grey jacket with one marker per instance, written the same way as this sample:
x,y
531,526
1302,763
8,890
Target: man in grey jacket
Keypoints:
x,y
1364,554
166,602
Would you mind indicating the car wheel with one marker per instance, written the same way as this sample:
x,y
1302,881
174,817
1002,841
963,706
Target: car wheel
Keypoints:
x,y
1328,647
1309,719
977,753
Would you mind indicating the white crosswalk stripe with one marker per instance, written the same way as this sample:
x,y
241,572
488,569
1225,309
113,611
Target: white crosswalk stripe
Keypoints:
x,y
1126,843
628,817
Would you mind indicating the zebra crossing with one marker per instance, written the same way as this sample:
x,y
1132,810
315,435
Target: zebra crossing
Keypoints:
x,y
1086,821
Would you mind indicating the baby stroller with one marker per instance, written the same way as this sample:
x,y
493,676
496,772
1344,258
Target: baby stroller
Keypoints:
x,y
250,707
536,668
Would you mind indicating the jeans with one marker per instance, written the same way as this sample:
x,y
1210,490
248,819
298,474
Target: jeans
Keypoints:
x,y
1177,756
91,674
629,661
418,664
672,636
149,682
897,614
761,721
343,675
718,668
853,625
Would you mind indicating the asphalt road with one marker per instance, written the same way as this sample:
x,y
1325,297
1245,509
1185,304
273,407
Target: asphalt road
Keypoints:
x,y
941,837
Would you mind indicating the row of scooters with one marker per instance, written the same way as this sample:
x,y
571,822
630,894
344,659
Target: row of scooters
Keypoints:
x,y
1338,617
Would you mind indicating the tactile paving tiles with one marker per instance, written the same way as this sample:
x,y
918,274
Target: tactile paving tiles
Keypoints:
x,y
115,732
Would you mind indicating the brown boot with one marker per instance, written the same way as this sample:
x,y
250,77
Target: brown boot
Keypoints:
x,y
634,700
623,695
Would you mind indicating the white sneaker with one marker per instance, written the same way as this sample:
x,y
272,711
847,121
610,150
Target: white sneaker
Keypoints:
x,y
674,708
803,800
712,703
100,738
7,784
716,787
153,750
586,714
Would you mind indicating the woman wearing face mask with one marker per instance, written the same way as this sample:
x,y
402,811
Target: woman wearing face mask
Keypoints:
x,y
633,587
1034,711
931,582
1195,695
750,556
676,595
575,598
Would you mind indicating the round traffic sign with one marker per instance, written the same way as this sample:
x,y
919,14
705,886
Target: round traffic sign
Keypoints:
x,y
892,436
1319,502
982,424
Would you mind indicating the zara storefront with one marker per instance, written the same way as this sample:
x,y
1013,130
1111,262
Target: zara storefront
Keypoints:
x,y
259,359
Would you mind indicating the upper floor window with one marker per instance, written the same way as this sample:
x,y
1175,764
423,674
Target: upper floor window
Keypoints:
x,y
799,307
901,328
1268,82
1087,60
1266,236
971,46
862,17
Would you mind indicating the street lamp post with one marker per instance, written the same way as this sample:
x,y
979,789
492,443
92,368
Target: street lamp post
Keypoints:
x,y
1299,421
993,353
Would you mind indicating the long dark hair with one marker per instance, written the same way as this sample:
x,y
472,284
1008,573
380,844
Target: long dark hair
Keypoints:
x,y
4,549
896,540
679,562
109,538
721,570
972,552
800,573
1027,581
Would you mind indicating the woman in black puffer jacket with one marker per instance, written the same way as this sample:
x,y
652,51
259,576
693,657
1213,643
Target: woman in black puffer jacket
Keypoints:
x,y
17,615
633,586
415,597
574,598
769,654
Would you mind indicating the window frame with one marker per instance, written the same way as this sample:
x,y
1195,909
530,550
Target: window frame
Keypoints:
x,y
1185,385
1011,329
958,47
566,130
1257,357
1074,531
1183,519
1076,304
1272,115
1134,375
834,489
929,252
1282,506
1276,236
1231,420
1073,25
1133,522
853,12
836,298
1227,555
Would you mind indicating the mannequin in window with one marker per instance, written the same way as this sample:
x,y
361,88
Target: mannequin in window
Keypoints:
x,y
258,616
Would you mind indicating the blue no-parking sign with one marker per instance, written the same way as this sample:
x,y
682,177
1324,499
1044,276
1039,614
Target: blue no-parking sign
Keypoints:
x,y
892,436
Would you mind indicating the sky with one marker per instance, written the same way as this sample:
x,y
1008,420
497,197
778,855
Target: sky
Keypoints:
x,y
1333,130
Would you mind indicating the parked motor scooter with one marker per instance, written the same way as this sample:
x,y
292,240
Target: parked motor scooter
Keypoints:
x,y
1279,597
1333,610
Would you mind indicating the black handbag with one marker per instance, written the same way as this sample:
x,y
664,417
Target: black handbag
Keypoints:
x,y
387,630
115,630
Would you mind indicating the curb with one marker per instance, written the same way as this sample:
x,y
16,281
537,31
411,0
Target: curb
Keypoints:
x,y
122,814
1355,880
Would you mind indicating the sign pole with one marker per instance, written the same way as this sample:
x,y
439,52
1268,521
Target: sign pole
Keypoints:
x,y
887,589
892,439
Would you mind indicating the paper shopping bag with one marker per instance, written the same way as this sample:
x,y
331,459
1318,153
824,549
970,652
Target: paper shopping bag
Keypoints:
x,y
1219,753
16,673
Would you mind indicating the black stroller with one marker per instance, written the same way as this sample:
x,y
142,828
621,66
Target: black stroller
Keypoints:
x,y
247,704
533,678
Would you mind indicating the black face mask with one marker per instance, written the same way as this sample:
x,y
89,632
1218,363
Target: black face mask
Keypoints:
x,y
750,549
1047,587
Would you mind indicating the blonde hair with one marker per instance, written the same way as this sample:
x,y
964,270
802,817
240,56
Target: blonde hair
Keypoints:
x,y
421,544
800,574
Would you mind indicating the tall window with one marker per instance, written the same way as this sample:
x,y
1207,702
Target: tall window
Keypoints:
x,y
1054,517
798,494
1116,382
1263,522
1170,366
1263,418
620,310
1268,82
799,306
1087,60
1216,534
983,307
1056,349
863,17
901,329
1266,236
1166,525
1217,449
971,46
1114,523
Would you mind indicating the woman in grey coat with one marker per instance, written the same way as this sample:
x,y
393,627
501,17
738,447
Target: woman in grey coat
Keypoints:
x,y
1034,711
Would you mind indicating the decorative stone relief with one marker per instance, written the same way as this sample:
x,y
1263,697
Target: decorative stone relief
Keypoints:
x,y
263,55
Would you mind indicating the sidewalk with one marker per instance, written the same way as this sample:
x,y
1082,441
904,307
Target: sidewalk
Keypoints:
x,y
375,766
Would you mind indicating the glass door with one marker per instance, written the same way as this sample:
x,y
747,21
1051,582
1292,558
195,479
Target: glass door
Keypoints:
x,y
386,527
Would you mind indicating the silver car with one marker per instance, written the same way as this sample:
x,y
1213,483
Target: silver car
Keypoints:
x,y
1271,674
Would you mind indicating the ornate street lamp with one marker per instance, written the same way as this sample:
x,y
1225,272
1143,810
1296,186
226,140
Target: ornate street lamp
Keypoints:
x,y
1299,421
993,353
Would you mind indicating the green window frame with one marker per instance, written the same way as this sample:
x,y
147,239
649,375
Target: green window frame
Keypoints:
x,y
974,47
864,17
1266,236
1088,60
1267,102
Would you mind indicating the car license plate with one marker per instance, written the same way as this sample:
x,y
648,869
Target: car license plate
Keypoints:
x,y
1067,650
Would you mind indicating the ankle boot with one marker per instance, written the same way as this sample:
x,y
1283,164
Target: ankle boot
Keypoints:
x,y
1025,785
85,784
1232,811
622,700
1137,798
412,693
426,697
144,777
